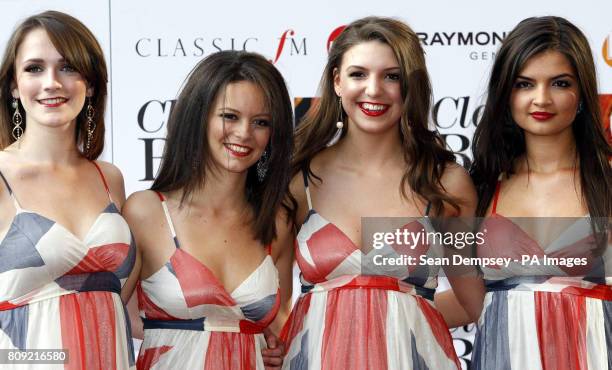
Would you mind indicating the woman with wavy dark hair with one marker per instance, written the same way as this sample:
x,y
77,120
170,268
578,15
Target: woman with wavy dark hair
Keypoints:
x,y
366,150
206,230
541,165
65,256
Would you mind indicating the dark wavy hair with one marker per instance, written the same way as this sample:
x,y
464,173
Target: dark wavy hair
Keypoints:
x,y
81,50
424,150
499,141
186,161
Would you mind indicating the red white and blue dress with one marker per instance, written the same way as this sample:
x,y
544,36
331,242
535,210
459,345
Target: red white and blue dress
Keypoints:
x,y
192,322
351,315
543,316
60,292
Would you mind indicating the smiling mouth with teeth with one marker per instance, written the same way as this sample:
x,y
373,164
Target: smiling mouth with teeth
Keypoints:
x,y
372,109
237,150
53,102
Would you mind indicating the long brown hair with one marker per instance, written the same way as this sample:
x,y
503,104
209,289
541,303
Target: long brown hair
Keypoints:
x,y
424,151
499,141
81,50
187,160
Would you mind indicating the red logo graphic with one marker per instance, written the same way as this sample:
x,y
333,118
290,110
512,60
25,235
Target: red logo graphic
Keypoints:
x,y
281,44
335,33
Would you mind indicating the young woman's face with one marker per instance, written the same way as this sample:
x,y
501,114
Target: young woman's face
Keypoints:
x,y
368,82
238,127
51,91
545,96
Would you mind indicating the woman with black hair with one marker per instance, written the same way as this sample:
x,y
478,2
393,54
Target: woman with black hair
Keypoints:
x,y
206,230
541,165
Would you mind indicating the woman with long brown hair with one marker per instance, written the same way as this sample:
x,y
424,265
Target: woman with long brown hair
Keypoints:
x,y
209,228
541,165
66,255
366,150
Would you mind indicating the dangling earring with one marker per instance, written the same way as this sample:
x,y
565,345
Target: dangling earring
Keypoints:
x,y
262,166
17,120
91,125
339,125
580,108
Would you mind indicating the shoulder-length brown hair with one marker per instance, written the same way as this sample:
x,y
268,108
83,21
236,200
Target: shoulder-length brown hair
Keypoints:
x,y
499,141
81,50
187,161
424,150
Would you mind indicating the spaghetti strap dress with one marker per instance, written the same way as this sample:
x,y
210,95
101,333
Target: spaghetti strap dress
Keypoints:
x,y
539,316
351,317
192,322
61,292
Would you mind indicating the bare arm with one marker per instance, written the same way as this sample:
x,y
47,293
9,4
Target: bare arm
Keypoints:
x,y
282,251
463,303
136,214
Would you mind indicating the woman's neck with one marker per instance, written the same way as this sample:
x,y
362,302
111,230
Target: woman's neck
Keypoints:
x,y
549,154
52,146
368,152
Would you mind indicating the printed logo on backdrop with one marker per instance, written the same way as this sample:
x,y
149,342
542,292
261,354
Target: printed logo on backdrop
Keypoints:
x,y
152,117
197,47
333,35
606,50
297,46
479,45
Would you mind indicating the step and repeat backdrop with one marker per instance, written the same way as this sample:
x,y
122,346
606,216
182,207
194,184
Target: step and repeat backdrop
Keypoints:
x,y
151,46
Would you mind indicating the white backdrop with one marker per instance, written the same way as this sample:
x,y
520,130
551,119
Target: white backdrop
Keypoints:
x,y
150,47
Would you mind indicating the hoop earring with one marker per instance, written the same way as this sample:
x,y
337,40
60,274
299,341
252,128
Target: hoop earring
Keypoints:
x,y
339,125
17,120
262,166
91,125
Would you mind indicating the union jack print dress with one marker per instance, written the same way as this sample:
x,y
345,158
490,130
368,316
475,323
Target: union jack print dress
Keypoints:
x,y
60,292
192,322
539,315
350,317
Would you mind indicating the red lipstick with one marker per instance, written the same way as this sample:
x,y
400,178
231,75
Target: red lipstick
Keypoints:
x,y
373,112
236,153
542,116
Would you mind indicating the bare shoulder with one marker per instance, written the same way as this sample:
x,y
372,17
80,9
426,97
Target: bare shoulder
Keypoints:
x,y
141,206
145,215
114,179
282,246
458,184
297,188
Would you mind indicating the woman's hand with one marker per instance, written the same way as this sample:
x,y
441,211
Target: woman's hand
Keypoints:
x,y
273,355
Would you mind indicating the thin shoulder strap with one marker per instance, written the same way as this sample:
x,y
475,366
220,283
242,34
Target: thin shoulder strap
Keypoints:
x,y
103,181
308,198
496,196
427,209
8,187
168,219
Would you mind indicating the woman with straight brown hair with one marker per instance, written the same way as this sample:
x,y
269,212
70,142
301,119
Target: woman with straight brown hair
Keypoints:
x,y
541,163
65,255
209,228
366,150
